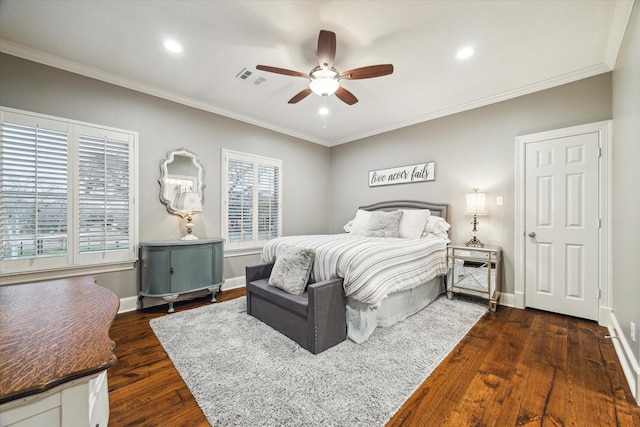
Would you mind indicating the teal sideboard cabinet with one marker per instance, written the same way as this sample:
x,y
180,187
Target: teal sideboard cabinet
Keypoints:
x,y
170,268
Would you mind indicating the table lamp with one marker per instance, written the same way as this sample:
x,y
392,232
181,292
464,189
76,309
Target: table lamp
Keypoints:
x,y
476,206
189,204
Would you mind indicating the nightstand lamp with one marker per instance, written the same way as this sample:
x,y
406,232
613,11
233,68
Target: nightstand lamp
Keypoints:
x,y
476,206
189,204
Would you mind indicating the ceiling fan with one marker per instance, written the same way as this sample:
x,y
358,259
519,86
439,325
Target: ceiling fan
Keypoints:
x,y
325,79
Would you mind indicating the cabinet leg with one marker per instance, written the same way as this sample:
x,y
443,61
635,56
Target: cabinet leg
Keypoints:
x,y
449,295
170,299
214,290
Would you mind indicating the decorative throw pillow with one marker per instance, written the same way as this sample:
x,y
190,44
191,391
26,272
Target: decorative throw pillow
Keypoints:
x,y
383,224
359,225
437,226
347,226
292,269
412,223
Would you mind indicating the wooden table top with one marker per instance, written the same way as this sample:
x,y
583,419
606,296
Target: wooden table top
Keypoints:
x,y
53,332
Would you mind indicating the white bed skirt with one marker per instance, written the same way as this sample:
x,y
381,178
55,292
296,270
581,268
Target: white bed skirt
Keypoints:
x,y
362,320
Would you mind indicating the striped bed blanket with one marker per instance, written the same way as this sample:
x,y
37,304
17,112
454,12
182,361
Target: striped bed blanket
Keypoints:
x,y
372,267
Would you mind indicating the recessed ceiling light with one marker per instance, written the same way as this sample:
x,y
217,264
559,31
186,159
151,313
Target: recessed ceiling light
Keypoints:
x,y
465,53
173,46
323,111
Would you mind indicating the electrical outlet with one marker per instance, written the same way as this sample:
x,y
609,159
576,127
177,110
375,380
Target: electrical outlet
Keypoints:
x,y
633,331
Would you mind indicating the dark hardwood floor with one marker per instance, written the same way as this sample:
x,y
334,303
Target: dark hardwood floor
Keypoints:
x,y
514,368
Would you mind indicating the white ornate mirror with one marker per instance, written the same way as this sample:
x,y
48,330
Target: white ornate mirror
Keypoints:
x,y
181,174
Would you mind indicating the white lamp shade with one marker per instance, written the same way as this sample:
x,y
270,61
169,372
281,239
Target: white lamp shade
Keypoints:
x,y
476,203
190,202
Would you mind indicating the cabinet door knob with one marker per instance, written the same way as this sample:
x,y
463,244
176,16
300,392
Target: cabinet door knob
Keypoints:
x,y
532,234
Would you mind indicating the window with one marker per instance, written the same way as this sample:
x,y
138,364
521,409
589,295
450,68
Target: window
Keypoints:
x,y
67,201
252,209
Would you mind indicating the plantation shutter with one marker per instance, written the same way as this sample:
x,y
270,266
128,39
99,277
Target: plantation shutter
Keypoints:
x,y
253,208
67,198
103,194
240,200
268,201
34,199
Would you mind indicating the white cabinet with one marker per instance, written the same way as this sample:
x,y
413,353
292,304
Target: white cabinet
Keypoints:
x,y
80,403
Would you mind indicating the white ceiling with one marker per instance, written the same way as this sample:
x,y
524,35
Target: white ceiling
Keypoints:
x,y
521,47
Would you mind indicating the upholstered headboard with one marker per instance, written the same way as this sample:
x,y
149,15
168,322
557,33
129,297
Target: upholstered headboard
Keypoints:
x,y
437,209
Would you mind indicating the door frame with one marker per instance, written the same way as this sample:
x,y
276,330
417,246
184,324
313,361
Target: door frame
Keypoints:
x,y
604,129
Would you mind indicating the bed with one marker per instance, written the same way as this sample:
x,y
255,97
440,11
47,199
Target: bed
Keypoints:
x,y
386,279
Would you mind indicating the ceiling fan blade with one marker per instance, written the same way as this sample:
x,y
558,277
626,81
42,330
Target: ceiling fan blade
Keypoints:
x,y
368,72
346,96
300,96
326,48
282,71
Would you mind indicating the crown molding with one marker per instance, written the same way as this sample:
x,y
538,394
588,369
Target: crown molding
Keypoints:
x,y
619,22
44,58
488,100
84,70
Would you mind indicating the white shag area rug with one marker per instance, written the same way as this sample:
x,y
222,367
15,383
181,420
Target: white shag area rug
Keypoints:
x,y
244,373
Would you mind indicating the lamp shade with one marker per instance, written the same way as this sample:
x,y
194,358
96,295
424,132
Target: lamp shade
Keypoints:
x,y
476,203
190,202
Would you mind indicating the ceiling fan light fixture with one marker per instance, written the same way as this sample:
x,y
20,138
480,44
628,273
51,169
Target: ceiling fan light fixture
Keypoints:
x,y
324,87
324,81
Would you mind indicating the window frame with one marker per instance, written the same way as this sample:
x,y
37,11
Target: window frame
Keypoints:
x,y
75,262
255,243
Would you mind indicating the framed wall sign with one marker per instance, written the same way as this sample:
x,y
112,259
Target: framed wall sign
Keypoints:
x,y
403,174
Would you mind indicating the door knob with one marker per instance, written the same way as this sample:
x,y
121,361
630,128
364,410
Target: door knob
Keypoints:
x,y
532,234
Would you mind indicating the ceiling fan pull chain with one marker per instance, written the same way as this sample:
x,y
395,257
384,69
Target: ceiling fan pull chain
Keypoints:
x,y
324,116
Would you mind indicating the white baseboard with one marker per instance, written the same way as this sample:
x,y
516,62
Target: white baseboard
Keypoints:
x,y
128,304
233,283
508,300
625,355
131,303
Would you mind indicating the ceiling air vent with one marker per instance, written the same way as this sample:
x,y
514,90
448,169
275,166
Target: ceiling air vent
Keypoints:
x,y
250,77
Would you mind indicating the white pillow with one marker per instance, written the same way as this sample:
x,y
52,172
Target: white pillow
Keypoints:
x,y
412,223
359,225
437,226
347,226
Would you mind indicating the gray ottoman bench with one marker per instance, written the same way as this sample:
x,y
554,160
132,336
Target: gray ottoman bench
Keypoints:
x,y
316,320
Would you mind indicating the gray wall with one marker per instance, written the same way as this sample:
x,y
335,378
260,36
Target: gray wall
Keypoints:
x,y
471,149
163,126
626,176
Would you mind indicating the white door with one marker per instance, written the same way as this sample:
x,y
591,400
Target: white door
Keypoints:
x,y
561,225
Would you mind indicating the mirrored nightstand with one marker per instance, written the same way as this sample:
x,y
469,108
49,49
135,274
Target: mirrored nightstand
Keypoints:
x,y
474,271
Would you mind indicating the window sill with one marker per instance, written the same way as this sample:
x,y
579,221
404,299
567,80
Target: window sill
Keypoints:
x,y
233,253
87,270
